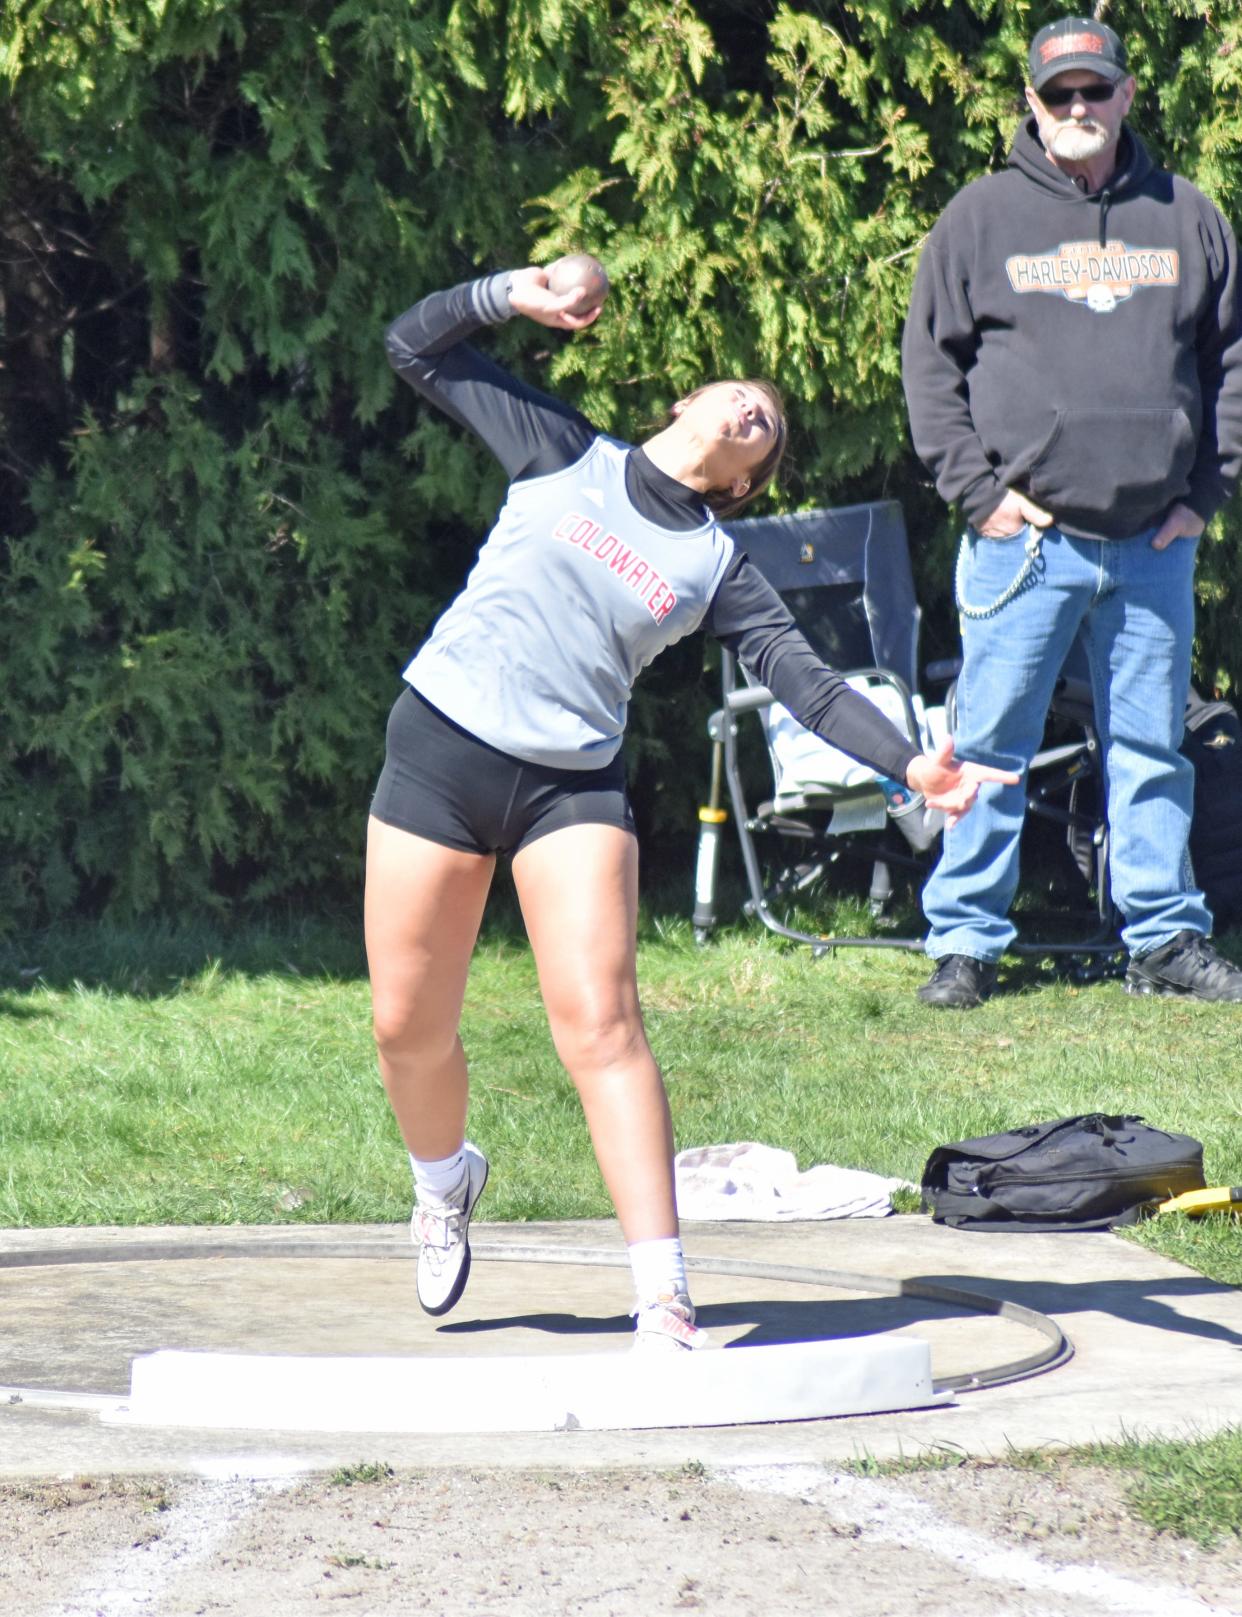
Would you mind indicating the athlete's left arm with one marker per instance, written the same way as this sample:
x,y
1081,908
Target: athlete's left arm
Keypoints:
x,y
748,616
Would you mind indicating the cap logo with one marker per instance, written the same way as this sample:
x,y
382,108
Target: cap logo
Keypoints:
x,y
1071,45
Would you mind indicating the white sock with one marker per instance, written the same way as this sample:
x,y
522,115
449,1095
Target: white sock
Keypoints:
x,y
434,1181
658,1267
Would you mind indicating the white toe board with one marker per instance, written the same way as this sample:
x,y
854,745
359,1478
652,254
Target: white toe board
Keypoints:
x,y
553,1392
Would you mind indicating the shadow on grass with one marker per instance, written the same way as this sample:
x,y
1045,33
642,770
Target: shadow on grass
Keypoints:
x,y
17,1010
1022,974
159,958
156,959
162,956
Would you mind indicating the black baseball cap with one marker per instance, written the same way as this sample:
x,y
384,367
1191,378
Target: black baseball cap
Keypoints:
x,y
1076,43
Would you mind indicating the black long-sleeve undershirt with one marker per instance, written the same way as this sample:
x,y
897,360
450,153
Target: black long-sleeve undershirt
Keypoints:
x,y
532,434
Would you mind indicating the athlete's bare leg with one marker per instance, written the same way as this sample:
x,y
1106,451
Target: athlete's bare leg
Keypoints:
x,y
424,904
578,889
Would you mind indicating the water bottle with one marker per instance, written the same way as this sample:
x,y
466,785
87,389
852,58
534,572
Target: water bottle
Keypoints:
x,y
918,824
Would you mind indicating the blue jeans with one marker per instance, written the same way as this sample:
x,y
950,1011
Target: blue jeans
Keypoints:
x,y
1132,610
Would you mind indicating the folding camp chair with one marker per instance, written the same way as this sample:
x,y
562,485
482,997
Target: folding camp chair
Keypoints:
x,y
845,575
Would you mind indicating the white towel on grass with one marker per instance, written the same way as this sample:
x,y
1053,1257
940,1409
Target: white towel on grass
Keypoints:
x,y
751,1181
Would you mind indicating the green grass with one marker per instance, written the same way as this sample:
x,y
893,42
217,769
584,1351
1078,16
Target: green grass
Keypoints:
x,y
363,1471
188,1075
191,1074
1190,1487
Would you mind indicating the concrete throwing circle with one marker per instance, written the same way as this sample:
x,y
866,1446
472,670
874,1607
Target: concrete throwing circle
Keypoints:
x,y
791,1362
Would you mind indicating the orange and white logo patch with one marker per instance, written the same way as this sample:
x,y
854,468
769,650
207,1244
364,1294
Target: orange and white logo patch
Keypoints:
x,y
1100,277
1071,45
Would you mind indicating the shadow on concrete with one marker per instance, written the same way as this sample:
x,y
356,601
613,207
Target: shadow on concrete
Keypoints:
x,y
774,1321
1146,1302
770,1322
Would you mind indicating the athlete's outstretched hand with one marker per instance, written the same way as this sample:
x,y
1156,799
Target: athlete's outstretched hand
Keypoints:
x,y
529,295
949,785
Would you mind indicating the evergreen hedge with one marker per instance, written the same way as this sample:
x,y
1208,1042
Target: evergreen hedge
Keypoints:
x,y
224,524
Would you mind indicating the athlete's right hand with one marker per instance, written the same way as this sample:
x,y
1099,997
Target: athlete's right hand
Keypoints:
x,y
1011,515
529,295
951,785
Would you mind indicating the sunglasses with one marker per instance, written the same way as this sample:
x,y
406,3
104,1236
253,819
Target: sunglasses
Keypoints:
x,y
1084,92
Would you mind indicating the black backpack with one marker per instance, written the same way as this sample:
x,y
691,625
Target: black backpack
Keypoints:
x,y
1213,744
1076,1173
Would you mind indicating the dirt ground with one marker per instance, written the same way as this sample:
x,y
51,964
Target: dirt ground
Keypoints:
x,y
773,1540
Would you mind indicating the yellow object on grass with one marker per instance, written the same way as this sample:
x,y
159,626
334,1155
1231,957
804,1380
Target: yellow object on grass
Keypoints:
x,y
1219,1199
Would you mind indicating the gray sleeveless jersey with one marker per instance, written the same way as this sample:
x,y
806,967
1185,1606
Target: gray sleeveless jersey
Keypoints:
x,y
572,596
597,562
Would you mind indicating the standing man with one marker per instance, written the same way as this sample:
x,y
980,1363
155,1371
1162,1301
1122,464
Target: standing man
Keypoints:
x,y
1073,369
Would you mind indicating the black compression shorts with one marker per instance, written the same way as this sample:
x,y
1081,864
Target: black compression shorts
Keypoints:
x,y
442,783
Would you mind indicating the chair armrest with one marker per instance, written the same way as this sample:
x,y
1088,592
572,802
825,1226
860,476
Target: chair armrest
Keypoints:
x,y
1059,755
746,698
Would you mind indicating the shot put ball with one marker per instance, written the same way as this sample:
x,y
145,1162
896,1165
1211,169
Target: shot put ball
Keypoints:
x,y
582,272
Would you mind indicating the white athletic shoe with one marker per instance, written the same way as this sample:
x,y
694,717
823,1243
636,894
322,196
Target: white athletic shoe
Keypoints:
x,y
440,1233
667,1326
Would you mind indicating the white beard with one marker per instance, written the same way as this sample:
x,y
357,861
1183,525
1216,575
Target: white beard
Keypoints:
x,y
1076,144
